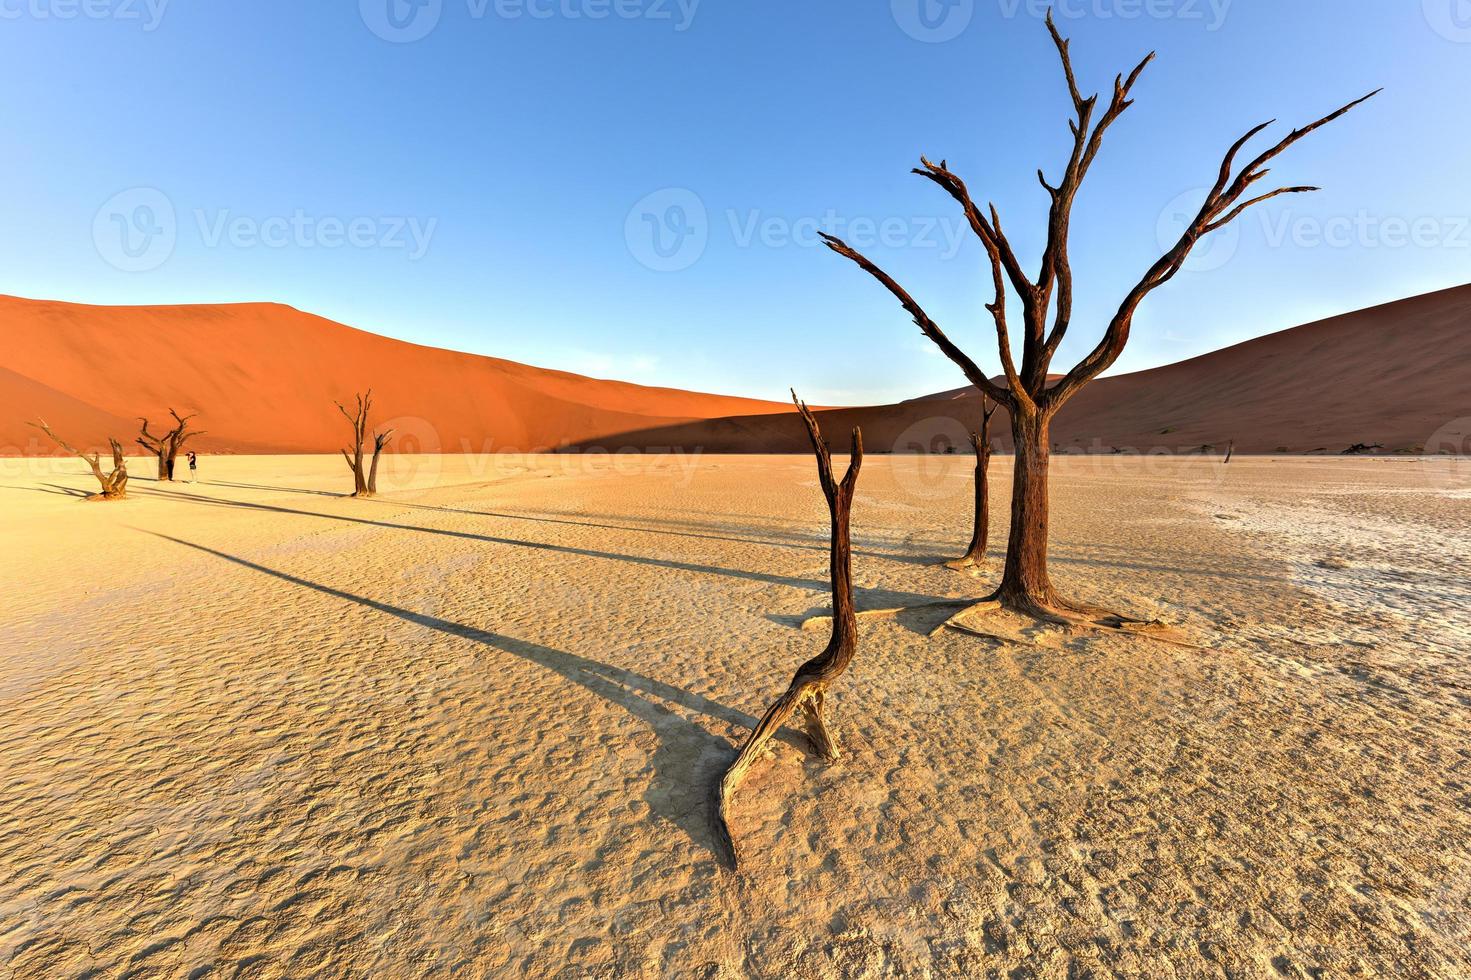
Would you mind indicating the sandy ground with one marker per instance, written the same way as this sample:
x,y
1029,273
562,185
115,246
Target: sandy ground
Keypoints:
x,y
252,728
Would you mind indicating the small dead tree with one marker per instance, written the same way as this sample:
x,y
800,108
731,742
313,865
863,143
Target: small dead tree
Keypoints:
x,y
379,441
114,484
166,447
1031,398
365,482
981,442
1230,451
1360,449
809,687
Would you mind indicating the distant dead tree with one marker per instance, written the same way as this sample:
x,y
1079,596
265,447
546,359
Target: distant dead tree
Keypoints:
x,y
981,441
165,447
1030,399
809,687
1359,449
1230,450
365,484
114,484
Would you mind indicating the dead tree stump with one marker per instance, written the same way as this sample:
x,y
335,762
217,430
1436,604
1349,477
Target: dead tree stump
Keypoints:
x,y
364,481
981,442
114,484
809,687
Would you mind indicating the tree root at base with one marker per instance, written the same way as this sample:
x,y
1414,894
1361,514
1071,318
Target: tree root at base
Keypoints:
x,y
806,694
1073,618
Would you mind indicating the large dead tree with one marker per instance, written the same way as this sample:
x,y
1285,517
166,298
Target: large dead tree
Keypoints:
x,y
981,443
808,690
114,484
365,481
166,447
1025,392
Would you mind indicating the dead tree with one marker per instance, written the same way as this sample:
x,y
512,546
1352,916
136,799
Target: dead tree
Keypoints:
x,y
1030,399
166,447
1359,449
365,482
379,441
981,442
114,484
809,687
1230,450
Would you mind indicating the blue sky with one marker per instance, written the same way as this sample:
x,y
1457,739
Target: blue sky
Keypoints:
x,y
496,184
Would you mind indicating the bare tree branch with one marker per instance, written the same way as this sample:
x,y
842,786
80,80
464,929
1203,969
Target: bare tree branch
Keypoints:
x,y
922,320
1222,200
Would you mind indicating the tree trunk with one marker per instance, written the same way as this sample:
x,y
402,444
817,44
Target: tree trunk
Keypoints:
x,y
1025,583
373,470
163,467
359,482
976,553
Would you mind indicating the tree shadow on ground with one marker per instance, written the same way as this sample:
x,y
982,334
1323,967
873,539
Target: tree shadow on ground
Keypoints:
x,y
688,759
262,486
872,597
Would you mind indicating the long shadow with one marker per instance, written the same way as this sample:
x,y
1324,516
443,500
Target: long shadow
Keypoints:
x,y
55,489
262,486
938,553
688,758
793,542
876,596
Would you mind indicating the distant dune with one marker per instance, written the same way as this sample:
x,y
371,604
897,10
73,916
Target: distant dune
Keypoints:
x,y
1395,375
263,378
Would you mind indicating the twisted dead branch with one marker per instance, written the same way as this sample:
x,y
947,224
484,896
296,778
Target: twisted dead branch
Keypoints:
x,y
115,484
808,690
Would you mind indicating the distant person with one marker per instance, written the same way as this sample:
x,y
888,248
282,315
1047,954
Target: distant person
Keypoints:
x,y
193,466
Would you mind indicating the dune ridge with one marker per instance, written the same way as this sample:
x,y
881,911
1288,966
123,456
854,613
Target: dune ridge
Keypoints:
x,y
263,376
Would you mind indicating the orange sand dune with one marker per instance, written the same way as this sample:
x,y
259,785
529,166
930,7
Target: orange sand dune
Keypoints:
x,y
1398,375
263,378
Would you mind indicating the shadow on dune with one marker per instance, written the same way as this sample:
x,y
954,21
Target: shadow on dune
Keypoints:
x,y
688,758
